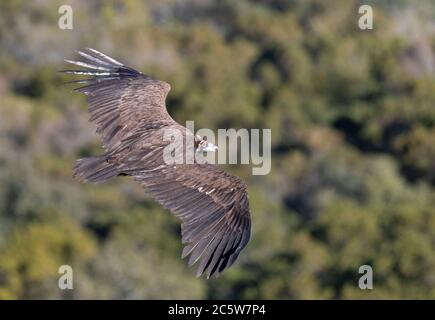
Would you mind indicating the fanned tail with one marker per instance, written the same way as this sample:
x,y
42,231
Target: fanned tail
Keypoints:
x,y
94,169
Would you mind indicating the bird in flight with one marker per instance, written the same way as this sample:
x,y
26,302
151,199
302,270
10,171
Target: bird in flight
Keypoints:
x,y
129,111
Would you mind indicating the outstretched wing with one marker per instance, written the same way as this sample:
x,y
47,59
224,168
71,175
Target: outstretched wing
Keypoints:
x,y
120,99
213,207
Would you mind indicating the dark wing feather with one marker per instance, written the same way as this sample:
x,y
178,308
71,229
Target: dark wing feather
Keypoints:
x,y
213,207
120,98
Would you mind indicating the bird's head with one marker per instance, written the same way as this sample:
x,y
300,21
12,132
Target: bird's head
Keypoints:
x,y
204,146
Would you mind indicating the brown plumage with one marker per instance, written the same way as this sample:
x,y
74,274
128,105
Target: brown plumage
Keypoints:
x,y
130,114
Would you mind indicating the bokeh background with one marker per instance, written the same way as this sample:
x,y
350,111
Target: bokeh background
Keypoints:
x,y
352,115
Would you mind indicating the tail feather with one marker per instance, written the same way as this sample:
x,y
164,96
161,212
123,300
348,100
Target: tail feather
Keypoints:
x,y
94,169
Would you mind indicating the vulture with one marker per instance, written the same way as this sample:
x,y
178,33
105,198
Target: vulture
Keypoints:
x,y
129,111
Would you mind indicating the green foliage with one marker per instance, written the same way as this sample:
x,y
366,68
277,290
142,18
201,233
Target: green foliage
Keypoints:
x,y
353,125
34,253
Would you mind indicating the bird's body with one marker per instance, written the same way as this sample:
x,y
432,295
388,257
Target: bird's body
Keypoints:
x,y
129,111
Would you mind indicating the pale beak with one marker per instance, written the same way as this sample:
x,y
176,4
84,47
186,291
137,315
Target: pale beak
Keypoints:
x,y
210,148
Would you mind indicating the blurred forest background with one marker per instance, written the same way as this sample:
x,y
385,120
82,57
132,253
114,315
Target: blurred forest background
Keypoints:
x,y
352,115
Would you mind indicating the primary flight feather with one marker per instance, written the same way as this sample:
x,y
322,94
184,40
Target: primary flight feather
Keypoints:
x,y
129,111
